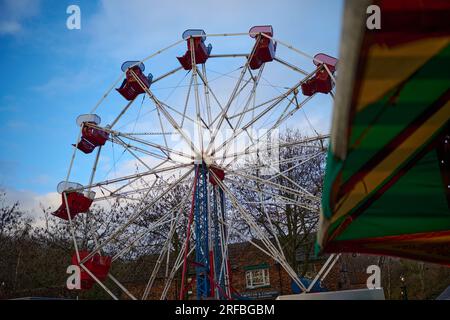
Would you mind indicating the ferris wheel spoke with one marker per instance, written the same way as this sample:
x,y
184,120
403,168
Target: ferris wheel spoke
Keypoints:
x,y
304,54
186,102
230,100
153,188
139,178
283,117
257,106
94,167
196,96
279,196
229,55
166,150
166,114
121,286
255,119
252,94
274,253
224,113
275,185
280,120
146,190
166,247
133,176
176,266
246,105
162,128
105,95
135,156
302,143
209,90
165,75
280,188
86,269
117,197
129,147
161,51
282,173
278,204
246,82
124,110
125,194
291,66
160,222
183,115
263,165
206,91
138,214
263,208
304,191
166,156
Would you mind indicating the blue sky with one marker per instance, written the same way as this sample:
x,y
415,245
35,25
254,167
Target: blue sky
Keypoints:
x,y
51,74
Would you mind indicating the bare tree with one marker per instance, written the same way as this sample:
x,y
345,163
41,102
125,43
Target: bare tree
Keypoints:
x,y
293,215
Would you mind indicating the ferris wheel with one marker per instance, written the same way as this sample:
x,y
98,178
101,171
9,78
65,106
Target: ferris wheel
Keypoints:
x,y
206,124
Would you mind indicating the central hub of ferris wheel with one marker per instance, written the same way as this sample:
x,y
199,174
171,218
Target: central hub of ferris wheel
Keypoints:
x,y
210,175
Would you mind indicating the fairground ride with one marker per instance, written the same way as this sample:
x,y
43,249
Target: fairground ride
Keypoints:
x,y
200,138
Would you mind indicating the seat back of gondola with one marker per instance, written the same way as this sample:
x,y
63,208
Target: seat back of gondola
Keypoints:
x,y
256,30
129,64
200,33
195,39
90,137
330,61
132,87
264,48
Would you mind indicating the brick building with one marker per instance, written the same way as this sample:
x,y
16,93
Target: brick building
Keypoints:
x,y
255,275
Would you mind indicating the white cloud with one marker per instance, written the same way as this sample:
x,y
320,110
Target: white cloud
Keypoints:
x,y
136,28
31,202
9,27
13,13
68,83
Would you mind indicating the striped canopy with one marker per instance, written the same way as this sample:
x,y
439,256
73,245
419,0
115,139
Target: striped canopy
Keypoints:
x,y
387,183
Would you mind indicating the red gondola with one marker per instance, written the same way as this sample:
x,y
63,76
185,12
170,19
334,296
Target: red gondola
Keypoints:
x,y
321,81
264,50
90,137
84,146
218,172
98,265
77,201
201,51
130,87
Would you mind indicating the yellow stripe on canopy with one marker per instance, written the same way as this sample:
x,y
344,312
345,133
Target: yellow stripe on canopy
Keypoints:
x,y
392,161
387,67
